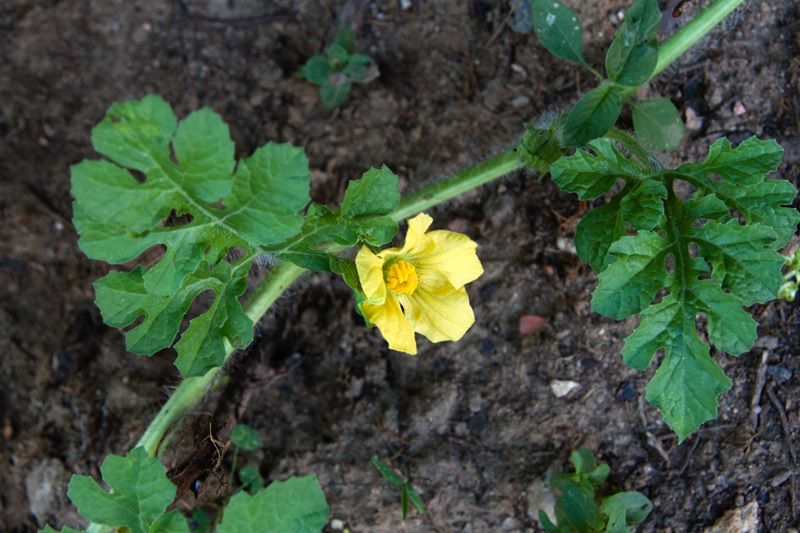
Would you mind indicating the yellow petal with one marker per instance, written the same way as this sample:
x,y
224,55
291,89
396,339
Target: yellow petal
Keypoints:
x,y
437,310
447,253
417,227
370,273
393,325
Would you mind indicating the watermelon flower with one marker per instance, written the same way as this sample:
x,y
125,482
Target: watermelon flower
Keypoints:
x,y
419,287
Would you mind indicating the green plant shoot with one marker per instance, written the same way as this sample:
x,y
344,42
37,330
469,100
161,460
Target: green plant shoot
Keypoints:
x,y
407,492
631,60
336,70
576,508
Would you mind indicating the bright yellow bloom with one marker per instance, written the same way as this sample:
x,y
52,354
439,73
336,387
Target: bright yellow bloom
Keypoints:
x,y
420,287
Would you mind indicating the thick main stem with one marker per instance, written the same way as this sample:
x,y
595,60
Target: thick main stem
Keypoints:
x,y
458,183
191,390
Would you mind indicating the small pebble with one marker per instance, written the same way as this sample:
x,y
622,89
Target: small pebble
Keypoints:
x,y
693,121
529,324
739,109
405,4
561,387
520,101
337,525
565,244
519,69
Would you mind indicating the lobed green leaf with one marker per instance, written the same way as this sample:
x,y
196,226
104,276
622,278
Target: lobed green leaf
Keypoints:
x,y
598,230
140,492
191,201
643,206
297,504
742,259
590,176
375,194
693,255
631,280
362,217
746,165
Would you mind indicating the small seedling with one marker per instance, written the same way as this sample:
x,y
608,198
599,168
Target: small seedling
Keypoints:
x,y
577,510
407,492
336,70
246,438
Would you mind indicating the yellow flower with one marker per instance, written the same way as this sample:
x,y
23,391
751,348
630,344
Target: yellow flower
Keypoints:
x,y
426,279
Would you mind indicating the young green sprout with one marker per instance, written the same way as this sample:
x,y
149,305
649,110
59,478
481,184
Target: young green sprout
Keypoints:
x,y
576,508
336,70
407,492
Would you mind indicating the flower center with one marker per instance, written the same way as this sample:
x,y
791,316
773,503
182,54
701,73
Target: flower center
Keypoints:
x,y
402,278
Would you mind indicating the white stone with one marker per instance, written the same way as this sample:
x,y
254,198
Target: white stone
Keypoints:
x,y
562,387
740,520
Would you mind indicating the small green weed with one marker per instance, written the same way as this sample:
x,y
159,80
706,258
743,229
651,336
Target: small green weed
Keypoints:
x,y
336,70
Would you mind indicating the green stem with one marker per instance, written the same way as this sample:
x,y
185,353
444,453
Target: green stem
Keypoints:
x,y
458,183
693,31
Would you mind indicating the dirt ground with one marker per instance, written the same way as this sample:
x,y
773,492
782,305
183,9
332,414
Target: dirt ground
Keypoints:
x,y
475,424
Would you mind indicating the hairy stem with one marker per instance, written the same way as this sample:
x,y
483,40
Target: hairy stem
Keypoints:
x,y
458,183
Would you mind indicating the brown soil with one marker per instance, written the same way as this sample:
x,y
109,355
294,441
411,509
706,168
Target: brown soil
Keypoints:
x,y
474,424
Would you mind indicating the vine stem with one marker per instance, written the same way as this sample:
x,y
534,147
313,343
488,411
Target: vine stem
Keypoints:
x,y
192,390
693,31
458,183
